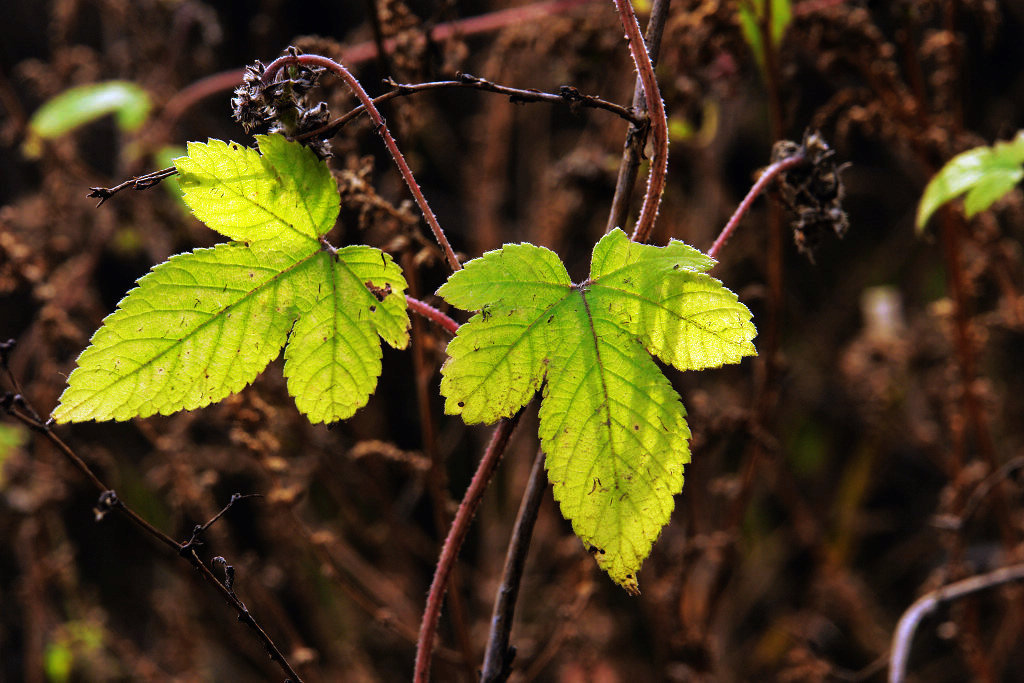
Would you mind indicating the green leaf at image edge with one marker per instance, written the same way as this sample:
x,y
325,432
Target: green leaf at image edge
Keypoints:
x,y
611,425
204,324
985,174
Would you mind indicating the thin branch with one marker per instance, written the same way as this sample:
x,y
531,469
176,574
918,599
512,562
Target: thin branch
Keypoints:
x,y
432,314
498,655
453,542
636,136
198,530
140,182
389,141
567,95
659,122
903,637
767,176
18,407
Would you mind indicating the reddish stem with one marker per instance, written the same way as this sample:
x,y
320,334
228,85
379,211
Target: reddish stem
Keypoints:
x,y
767,176
659,122
186,98
452,543
389,141
432,314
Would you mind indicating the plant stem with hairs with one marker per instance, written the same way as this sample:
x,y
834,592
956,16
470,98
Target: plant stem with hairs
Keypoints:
x,y
658,118
389,141
453,542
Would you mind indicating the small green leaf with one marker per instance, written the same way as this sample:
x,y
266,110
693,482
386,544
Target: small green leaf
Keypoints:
x,y
612,427
204,324
128,102
752,12
985,173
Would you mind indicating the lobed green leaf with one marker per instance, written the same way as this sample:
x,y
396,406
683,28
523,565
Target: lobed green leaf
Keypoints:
x,y
613,429
204,324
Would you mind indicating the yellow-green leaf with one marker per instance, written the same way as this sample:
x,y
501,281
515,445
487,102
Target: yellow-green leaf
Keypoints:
x,y
613,429
985,174
204,324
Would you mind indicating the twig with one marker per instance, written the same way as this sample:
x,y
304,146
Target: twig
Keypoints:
x,y
453,542
198,530
659,122
140,182
432,314
636,136
567,94
19,408
768,175
903,637
389,141
498,655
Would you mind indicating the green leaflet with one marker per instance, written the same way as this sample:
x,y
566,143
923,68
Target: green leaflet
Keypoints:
x,y
612,426
78,106
204,324
984,173
751,13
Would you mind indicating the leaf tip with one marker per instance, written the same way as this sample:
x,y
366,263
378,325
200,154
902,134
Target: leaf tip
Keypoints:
x,y
630,585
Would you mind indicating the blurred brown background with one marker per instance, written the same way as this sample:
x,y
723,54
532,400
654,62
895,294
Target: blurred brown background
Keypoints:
x,y
871,453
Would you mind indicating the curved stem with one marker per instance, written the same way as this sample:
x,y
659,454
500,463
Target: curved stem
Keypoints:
x,y
186,98
389,141
498,655
659,122
767,176
453,542
903,637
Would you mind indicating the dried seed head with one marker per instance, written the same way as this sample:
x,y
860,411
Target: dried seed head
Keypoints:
x,y
813,191
282,105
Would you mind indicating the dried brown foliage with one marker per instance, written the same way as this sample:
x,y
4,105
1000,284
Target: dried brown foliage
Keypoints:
x,y
871,453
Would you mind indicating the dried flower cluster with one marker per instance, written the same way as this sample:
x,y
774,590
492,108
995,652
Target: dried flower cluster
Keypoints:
x,y
813,191
283,105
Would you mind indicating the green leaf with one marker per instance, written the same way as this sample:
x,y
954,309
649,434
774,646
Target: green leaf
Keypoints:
x,y
204,324
612,426
985,174
78,106
751,13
